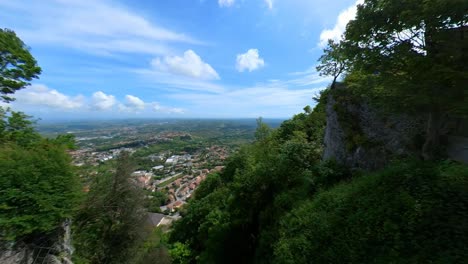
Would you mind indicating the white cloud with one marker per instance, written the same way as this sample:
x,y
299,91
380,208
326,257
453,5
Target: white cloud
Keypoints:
x,y
308,77
190,65
226,3
132,104
107,29
269,100
167,110
340,26
274,98
249,61
102,101
171,82
41,95
40,99
229,3
175,111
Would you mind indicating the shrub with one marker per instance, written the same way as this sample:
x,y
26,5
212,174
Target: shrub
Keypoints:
x,y
408,213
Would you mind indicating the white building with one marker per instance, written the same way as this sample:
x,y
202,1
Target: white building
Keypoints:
x,y
157,168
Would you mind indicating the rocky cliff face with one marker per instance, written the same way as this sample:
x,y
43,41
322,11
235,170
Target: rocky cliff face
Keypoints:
x,y
359,137
51,249
457,140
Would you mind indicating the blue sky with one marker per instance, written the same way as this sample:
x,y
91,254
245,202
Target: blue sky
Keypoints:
x,y
174,58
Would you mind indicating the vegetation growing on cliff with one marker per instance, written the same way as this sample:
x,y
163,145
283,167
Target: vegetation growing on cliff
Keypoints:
x,y
38,187
277,202
17,66
235,216
408,57
109,226
410,212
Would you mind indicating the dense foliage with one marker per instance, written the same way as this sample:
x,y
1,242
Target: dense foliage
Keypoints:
x,y
235,216
17,66
412,212
110,224
277,202
408,56
38,188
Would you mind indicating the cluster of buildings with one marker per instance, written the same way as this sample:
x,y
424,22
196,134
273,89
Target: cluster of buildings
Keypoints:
x,y
143,178
129,140
178,187
91,157
176,175
214,155
181,189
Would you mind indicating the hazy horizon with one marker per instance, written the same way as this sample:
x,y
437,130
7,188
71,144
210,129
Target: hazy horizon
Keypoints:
x,y
187,59
77,120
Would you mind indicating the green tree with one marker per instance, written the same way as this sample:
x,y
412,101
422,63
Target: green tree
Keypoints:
x,y
410,212
333,62
180,253
262,130
17,66
109,225
415,54
243,205
155,200
67,140
17,127
38,187
154,249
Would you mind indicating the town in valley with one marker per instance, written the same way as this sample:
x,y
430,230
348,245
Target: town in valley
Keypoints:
x,y
173,157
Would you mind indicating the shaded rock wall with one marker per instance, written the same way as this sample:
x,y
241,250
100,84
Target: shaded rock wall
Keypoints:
x,y
359,137
49,249
457,141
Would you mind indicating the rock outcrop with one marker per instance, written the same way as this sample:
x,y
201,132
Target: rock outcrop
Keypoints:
x,y
457,141
53,248
358,136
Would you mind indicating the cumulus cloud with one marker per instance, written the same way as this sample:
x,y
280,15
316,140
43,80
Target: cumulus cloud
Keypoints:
x,y
42,95
340,26
135,102
132,104
102,101
226,3
249,61
269,3
189,65
41,99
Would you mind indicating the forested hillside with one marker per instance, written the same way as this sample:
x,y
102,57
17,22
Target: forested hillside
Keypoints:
x,y
45,200
279,201
39,189
366,175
